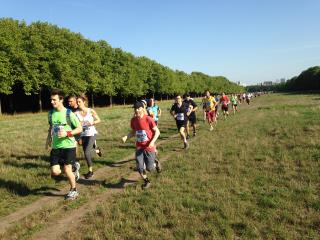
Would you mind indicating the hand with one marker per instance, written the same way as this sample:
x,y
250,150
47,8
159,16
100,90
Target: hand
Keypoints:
x,y
124,139
151,144
175,116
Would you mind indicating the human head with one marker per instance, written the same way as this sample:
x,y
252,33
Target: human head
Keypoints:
x,y
186,96
178,99
139,109
72,101
207,93
82,101
56,97
151,102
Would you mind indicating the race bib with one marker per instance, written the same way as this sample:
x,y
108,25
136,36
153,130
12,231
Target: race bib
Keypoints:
x,y
180,116
141,136
56,128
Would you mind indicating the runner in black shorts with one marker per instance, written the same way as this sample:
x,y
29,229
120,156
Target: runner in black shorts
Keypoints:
x,y
180,114
192,118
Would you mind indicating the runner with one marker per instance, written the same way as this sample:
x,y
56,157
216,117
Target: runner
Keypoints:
x,y
63,126
224,100
209,104
216,98
248,96
154,110
180,113
146,132
192,118
72,102
234,101
88,118
203,102
73,105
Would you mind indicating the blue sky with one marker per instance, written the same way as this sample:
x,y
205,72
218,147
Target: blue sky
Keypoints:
x,y
245,40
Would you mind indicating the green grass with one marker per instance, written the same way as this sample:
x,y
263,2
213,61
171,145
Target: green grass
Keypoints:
x,y
256,176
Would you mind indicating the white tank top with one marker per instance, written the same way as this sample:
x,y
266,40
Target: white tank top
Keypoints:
x,y
87,130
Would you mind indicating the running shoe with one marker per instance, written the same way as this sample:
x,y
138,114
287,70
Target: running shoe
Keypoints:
x,y
194,134
186,145
146,185
72,194
99,153
75,170
88,175
188,136
211,128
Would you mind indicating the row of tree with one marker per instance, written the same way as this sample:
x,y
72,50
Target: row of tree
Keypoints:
x,y
41,56
308,80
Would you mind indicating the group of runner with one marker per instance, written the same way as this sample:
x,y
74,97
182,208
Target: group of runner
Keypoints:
x,y
67,128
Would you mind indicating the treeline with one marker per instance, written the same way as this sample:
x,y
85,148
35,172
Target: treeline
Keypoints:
x,y
308,80
38,57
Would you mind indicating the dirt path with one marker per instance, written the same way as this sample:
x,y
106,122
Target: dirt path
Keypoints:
x,y
56,229
57,196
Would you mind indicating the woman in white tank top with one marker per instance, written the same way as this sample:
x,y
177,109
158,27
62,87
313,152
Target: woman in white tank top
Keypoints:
x,y
88,119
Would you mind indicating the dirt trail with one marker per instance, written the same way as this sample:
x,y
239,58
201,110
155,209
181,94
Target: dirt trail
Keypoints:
x,y
56,196
56,229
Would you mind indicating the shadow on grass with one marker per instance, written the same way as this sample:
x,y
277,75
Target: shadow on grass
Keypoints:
x,y
23,190
31,157
24,165
113,164
121,183
118,164
93,182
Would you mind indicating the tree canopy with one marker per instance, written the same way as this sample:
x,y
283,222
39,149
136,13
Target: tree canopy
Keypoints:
x,y
43,56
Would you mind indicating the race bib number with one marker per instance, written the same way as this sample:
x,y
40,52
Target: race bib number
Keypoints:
x,y
141,136
56,129
180,116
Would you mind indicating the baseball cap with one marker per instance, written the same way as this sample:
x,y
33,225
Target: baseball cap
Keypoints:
x,y
144,102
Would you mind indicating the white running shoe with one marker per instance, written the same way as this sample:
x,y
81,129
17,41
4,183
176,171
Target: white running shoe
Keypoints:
x,y
72,194
211,128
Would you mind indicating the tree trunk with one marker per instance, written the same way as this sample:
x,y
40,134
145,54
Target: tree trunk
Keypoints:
x,y
167,97
40,101
124,101
161,97
92,102
110,99
153,95
11,107
0,106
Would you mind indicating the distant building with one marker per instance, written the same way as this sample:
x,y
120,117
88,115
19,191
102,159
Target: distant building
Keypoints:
x,y
282,80
267,83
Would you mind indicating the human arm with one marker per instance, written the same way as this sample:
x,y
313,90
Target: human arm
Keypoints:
x,y
156,131
96,117
129,135
49,139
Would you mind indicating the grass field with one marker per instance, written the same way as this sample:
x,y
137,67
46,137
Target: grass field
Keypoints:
x,y
256,176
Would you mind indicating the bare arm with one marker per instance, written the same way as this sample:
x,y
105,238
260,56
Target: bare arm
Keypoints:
x,y
49,139
155,137
129,135
96,117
